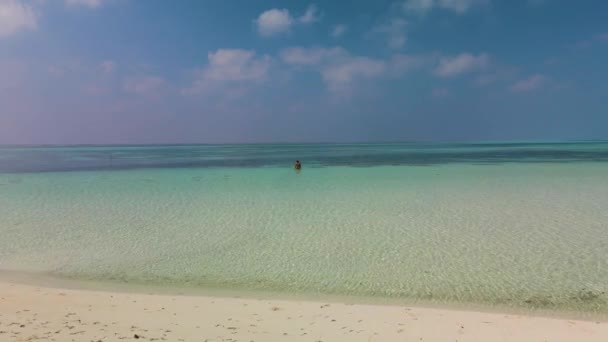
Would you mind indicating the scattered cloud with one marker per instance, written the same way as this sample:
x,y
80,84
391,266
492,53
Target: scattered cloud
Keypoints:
x,y
463,63
340,76
277,21
340,70
310,16
311,56
84,3
425,6
583,44
274,22
402,63
16,16
394,32
338,31
531,83
143,85
420,6
587,43
230,66
236,65
460,6
602,37
107,66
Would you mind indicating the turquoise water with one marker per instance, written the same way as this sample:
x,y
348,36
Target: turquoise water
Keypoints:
x,y
506,230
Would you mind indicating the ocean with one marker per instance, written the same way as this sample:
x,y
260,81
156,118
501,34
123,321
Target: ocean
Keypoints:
x,y
522,225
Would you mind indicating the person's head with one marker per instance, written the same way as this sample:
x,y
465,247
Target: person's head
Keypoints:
x,y
297,162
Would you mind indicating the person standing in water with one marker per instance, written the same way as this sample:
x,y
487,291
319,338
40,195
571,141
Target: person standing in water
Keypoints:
x,y
297,165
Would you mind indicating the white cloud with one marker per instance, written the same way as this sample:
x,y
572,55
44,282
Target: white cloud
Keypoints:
x,y
340,70
421,6
143,85
394,31
458,6
531,83
273,22
16,16
402,63
587,43
107,66
602,37
463,63
311,56
310,16
236,65
340,76
337,67
338,31
230,66
84,3
276,21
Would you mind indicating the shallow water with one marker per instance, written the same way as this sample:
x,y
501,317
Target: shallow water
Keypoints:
x,y
527,233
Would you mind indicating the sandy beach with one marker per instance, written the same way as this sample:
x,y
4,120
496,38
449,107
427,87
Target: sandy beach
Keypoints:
x,y
30,313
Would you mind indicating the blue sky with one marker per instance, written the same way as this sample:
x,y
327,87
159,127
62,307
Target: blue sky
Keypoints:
x,y
220,71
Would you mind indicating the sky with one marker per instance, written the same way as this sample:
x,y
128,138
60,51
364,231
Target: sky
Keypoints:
x,y
228,71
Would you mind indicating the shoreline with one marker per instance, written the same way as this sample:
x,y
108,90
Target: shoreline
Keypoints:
x,y
51,281
44,280
29,312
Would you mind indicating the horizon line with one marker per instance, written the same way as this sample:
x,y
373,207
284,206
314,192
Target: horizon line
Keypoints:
x,y
466,142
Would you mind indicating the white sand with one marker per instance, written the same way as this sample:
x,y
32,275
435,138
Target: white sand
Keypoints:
x,y
29,313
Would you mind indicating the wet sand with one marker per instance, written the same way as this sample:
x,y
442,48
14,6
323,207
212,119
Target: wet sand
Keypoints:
x,y
30,313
